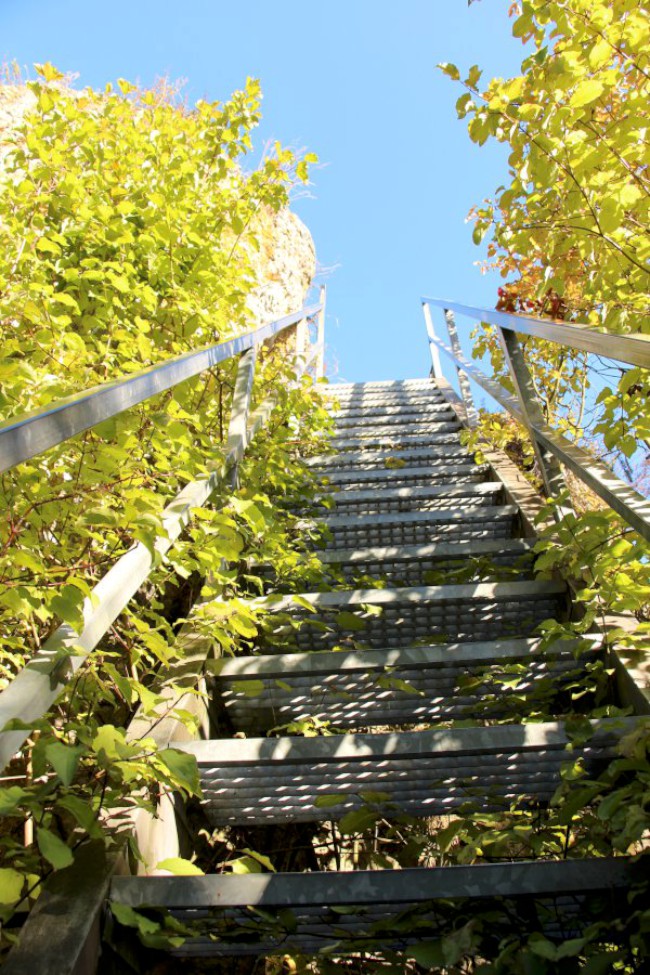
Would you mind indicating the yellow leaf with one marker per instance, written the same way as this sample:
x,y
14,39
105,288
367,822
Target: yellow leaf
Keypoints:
x,y
125,86
514,88
600,54
48,71
586,92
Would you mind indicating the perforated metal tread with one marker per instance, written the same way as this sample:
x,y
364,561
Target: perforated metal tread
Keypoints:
x,y
385,430
410,686
333,389
405,476
345,406
511,548
420,527
419,498
420,773
410,456
404,410
493,559
368,396
365,391
425,614
445,434
434,415
313,910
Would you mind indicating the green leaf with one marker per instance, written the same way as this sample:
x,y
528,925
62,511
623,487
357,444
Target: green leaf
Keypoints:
x,y
450,70
46,246
131,919
358,820
328,801
67,604
81,810
463,104
11,885
479,232
348,621
244,865
64,759
54,850
243,625
523,25
428,954
10,799
261,859
570,948
376,797
601,964
183,768
540,945
110,743
397,684
180,867
249,688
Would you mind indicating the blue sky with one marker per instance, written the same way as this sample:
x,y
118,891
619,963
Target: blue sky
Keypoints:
x,y
355,82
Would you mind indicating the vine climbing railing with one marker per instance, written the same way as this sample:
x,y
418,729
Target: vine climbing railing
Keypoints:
x,y
35,688
551,447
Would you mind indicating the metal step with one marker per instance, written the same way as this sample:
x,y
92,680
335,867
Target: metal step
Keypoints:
x,y
386,398
365,391
397,439
434,415
420,527
425,382
419,773
377,405
414,433
411,457
392,499
407,476
412,565
309,912
395,687
409,428
404,411
376,618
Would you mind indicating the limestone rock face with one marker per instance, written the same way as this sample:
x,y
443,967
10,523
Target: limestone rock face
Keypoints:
x,y
285,266
15,101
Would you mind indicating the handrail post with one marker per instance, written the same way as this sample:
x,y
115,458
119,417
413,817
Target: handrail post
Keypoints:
x,y
238,426
436,367
463,378
302,337
320,360
531,409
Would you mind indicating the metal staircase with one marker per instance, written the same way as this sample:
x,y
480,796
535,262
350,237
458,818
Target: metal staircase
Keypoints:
x,y
408,675
417,670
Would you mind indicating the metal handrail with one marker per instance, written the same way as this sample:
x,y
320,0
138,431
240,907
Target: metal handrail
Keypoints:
x,y
30,434
37,686
633,349
550,446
